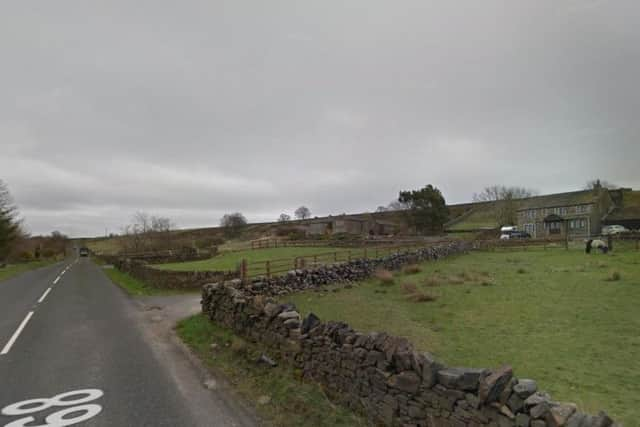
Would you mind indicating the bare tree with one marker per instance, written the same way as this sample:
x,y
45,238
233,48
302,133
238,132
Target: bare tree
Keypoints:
x,y
233,224
284,218
505,201
302,212
147,232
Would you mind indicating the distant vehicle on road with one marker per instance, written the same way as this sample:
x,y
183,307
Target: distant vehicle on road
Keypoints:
x,y
609,230
83,251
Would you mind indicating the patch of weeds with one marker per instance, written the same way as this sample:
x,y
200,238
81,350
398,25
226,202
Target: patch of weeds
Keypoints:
x,y
409,288
412,269
521,271
415,295
238,346
614,276
385,277
422,297
455,280
432,281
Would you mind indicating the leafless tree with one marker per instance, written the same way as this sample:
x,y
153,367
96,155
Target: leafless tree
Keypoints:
x,y
284,218
147,232
303,212
505,201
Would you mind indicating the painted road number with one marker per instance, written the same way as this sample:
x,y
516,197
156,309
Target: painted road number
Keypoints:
x,y
75,403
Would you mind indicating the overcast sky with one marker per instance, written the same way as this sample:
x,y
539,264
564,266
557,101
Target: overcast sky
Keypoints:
x,y
191,109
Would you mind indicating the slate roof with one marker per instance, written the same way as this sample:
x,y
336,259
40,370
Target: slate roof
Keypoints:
x,y
558,200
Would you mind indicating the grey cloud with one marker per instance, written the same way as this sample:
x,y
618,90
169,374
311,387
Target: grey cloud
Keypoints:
x,y
198,108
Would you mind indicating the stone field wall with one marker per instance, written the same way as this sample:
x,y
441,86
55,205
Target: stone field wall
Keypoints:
x,y
167,279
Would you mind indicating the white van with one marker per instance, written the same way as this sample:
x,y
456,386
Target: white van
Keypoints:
x,y
505,232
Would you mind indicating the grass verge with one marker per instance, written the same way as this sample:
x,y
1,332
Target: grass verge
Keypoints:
x,y
567,319
136,287
281,398
12,270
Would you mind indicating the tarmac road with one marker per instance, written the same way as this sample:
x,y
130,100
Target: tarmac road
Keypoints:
x,y
78,345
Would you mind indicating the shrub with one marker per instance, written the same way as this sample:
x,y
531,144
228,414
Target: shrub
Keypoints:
x,y
614,276
521,271
412,269
25,256
385,277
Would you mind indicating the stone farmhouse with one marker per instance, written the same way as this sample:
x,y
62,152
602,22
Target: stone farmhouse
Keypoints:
x,y
578,214
366,225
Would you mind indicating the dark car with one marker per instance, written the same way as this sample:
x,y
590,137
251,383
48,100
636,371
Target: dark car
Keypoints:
x,y
83,251
520,235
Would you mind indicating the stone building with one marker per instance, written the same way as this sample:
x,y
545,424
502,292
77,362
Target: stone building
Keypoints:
x,y
578,214
365,225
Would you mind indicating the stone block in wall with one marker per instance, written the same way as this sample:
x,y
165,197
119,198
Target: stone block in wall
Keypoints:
x,y
408,382
491,386
525,388
466,379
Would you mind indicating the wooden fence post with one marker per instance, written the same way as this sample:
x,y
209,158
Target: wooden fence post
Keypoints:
x,y
243,271
268,268
365,253
349,255
335,256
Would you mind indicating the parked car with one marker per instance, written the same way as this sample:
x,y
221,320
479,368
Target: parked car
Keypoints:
x,y
506,231
609,230
83,251
520,235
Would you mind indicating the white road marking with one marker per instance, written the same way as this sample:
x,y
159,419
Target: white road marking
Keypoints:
x,y
44,295
56,280
16,334
60,418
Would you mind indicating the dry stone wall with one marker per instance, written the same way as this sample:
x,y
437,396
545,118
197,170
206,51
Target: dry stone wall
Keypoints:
x,y
167,279
383,377
356,270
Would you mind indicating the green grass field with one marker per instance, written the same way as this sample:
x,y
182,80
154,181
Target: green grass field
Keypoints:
x,y
291,402
556,316
12,270
228,261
